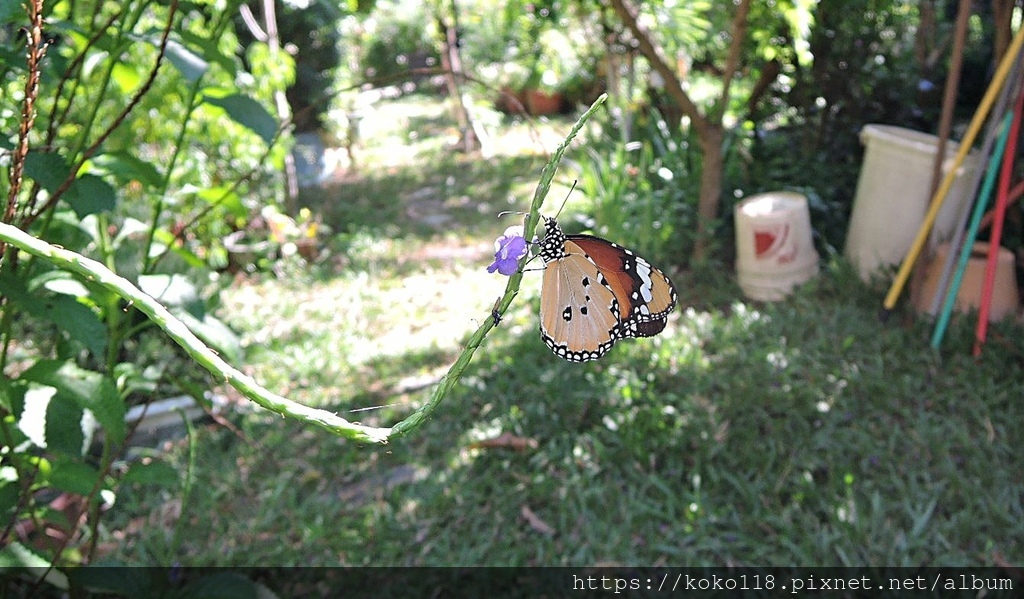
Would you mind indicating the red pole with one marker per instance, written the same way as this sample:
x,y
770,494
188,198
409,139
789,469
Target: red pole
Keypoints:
x,y
997,226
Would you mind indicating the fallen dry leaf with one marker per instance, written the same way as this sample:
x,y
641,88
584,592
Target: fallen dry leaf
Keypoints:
x,y
535,522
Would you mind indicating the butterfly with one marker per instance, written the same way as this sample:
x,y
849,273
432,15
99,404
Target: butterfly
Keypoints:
x,y
596,292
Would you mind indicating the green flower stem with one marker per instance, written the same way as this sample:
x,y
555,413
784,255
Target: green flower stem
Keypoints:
x,y
414,420
196,349
207,358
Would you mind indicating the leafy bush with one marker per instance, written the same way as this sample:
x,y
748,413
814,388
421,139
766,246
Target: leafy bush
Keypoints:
x,y
643,192
149,143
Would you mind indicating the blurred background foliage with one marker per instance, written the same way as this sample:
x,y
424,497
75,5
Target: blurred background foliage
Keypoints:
x,y
174,173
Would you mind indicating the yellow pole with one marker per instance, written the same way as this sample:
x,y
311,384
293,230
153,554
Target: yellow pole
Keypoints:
x,y
947,182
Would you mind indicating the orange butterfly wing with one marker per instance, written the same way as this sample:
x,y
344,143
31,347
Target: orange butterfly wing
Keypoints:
x,y
579,314
596,292
646,295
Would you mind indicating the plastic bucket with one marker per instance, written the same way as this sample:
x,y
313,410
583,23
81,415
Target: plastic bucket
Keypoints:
x,y
892,196
1005,297
774,247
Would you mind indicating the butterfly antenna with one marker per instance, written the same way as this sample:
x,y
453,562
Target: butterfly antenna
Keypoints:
x,y
574,181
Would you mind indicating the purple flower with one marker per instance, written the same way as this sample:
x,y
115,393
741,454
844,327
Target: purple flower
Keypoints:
x,y
508,249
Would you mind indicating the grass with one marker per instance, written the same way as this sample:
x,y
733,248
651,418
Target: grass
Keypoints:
x,y
799,432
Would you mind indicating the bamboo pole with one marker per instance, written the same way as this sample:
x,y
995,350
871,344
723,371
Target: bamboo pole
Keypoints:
x,y
998,80
1002,199
972,232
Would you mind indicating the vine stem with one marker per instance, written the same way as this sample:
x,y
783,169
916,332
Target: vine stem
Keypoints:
x,y
414,420
208,359
176,330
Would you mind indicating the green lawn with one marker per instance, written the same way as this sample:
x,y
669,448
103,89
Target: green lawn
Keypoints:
x,y
800,432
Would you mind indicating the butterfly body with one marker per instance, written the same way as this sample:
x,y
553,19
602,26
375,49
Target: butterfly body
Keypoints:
x,y
596,292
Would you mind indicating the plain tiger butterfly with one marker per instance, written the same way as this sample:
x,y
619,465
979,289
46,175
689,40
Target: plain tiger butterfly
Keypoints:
x,y
596,292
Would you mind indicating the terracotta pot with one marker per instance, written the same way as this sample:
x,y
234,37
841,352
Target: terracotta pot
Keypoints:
x,y
540,103
1005,296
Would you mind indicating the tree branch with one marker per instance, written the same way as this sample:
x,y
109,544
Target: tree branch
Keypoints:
x,y
656,56
739,31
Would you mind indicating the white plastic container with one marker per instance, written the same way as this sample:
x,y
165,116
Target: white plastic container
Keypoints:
x,y
774,247
893,195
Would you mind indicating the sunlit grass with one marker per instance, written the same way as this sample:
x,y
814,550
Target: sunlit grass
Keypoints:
x,y
801,432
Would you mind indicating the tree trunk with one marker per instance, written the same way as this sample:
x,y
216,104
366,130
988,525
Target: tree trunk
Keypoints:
x,y
707,127
451,62
710,189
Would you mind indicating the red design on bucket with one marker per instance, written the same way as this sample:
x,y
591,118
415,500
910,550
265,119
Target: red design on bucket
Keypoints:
x,y
763,241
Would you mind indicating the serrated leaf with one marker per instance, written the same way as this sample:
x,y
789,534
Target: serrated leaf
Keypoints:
x,y
87,389
247,112
48,169
90,194
77,320
16,556
63,427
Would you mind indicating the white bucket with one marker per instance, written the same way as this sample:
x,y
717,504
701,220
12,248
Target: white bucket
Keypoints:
x,y
774,248
893,196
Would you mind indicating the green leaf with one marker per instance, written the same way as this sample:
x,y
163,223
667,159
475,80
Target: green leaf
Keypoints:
x,y
11,12
63,427
191,66
224,197
77,320
90,194
210,49
73,476
10,492
12,395
167,242
127,77
155,472
48,169
126,168
247,112
17,555
87,389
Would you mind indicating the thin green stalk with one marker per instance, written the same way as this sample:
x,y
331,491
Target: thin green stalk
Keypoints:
x,y
448,381
111,310
148,262
187,487
104,85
